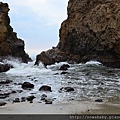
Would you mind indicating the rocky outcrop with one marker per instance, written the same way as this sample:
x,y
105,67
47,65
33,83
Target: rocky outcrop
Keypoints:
x,y
4,67
91,32
10,45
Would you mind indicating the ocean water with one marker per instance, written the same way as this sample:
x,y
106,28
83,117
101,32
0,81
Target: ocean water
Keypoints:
x,y
90,81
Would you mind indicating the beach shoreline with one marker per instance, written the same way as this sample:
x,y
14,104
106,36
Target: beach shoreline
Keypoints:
x,y
73,107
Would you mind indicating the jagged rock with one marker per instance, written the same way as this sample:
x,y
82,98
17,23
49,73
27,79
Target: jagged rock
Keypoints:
x,y
43,57
27,85
10,45
91,32
64,67
51,56
45,88
4,67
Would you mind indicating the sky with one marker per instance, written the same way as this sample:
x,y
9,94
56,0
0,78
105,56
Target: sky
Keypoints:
x,y
37,22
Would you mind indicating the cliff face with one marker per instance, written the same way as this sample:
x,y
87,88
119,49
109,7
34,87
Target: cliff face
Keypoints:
x,y
10,45
91,32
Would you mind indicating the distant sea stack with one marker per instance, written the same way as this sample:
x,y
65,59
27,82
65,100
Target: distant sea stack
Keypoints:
x,y
10,45
91,32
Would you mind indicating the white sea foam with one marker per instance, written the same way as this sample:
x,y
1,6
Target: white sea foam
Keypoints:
x,y
1,63
87,80
24,69
93,63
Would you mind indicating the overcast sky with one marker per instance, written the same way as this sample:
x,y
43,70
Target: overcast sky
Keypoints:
x,y
37,22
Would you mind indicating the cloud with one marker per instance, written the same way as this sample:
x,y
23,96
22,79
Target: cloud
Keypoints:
x,y
37,22
52,11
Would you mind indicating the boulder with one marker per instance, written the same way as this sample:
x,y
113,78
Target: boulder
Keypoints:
x,y
4,67
90,32
45,88
27,85
64,67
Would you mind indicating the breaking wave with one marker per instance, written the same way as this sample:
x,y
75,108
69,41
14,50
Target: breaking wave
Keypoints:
x,y
90,81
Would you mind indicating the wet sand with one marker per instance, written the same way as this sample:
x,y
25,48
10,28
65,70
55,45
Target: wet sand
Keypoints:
x,y
105,109
60,108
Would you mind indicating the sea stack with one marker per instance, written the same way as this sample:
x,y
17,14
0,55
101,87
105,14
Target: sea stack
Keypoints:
x,y
10,45
90,32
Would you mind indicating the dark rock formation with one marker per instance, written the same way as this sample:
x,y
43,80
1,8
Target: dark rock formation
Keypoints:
x,y
23,99
45,88
4,67
62,73
91,32
17,100
5,81
99,100
48,101
66,89
2,103
27,85
4,95
10,45
64,67
13,92
30,98
43,97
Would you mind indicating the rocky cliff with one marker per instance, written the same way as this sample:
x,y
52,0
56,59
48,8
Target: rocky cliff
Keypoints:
x,y
10,45
91,32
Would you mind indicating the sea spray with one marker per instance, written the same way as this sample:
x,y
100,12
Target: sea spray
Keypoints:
x,y
90,81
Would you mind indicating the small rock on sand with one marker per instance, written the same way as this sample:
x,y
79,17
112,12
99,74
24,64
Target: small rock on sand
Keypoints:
x,y
45,88
2,103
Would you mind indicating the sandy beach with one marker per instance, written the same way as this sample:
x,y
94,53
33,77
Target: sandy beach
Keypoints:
x,y
73,107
